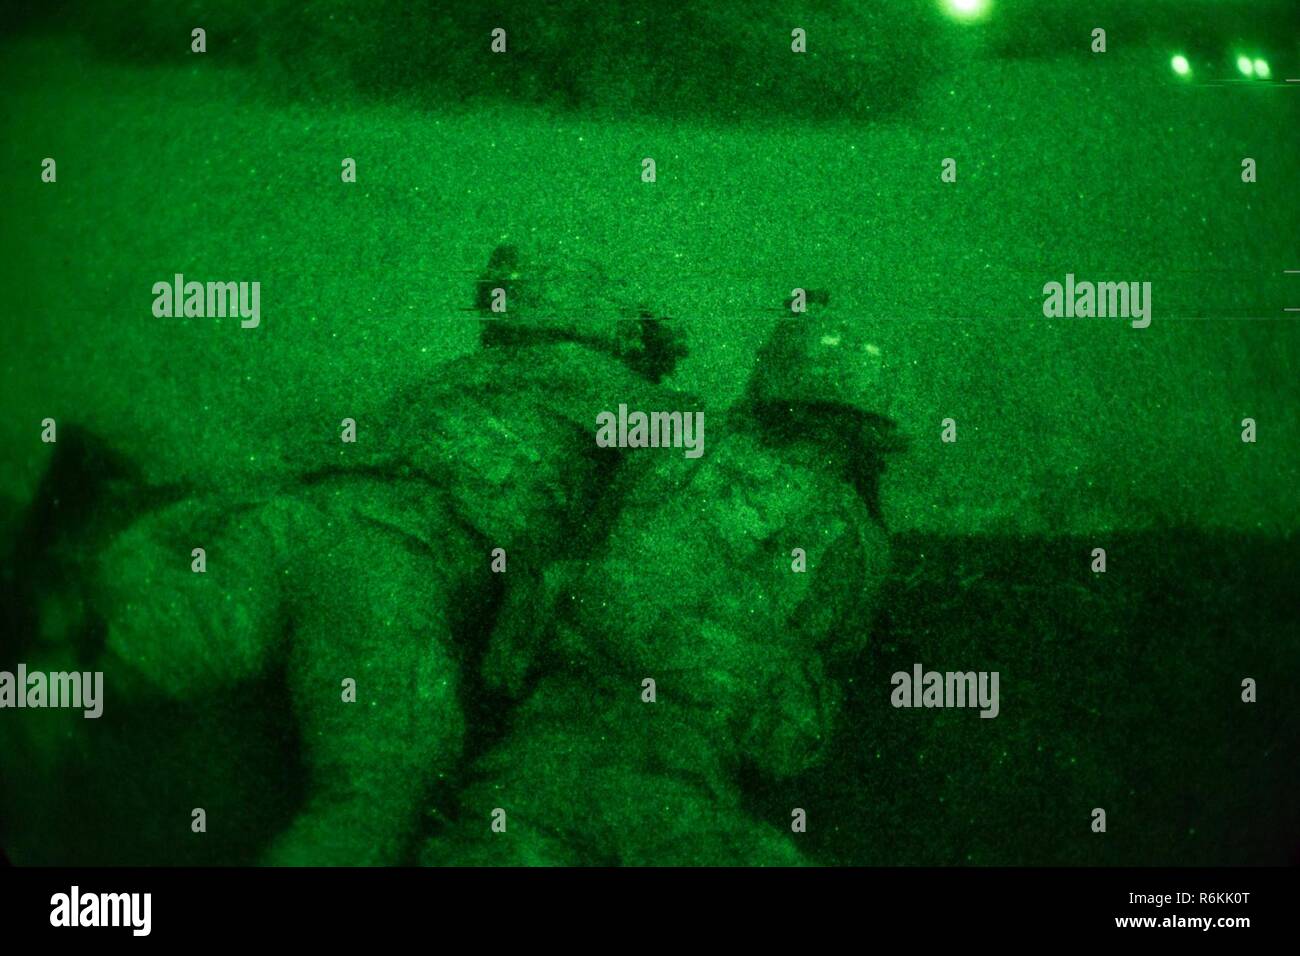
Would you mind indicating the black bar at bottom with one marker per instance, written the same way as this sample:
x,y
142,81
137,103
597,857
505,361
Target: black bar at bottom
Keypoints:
x,y
306,906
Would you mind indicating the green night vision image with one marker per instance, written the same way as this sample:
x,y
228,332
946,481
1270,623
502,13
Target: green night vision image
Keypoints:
x,y
650,434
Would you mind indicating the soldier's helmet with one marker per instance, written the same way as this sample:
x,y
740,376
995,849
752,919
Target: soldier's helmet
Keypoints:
x,y
815,358
562,291
524,295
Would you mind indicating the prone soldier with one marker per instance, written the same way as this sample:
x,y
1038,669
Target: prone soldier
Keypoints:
x,y
238,621
698,647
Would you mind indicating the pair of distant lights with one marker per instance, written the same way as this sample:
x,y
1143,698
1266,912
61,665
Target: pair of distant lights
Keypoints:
x,y
1256,68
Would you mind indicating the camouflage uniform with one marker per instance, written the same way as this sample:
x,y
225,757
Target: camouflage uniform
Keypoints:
x,y
695,589
375,568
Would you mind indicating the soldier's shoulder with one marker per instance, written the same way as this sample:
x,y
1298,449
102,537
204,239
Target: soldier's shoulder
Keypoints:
x,y
740,454
747,490
553,373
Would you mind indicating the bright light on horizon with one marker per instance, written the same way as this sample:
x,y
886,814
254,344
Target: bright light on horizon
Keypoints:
x,y
1180,65
1261,69
968,10
1245,65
